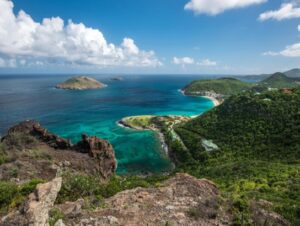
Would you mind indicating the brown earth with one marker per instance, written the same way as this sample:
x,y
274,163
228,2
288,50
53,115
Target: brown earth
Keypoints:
x,y
33,152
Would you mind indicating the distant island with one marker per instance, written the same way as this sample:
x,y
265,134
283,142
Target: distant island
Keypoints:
x,y
118,78
81,83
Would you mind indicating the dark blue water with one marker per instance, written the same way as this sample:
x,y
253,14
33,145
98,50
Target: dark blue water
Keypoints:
x,y
95,112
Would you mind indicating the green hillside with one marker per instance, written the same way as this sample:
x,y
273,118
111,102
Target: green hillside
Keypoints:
x,y
258,154
279,81
223,86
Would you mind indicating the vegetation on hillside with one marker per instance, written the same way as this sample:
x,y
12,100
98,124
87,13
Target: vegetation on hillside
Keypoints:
x,y
276,81
259,150
224,86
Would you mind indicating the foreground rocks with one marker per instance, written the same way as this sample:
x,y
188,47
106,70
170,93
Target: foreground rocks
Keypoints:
x,y
35,210
36,152
182,200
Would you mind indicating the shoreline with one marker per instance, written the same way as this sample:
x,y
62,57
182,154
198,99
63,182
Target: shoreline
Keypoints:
x,y
157,132
213,99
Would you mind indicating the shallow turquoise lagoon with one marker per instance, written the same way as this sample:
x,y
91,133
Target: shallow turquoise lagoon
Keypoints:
x,y
95,112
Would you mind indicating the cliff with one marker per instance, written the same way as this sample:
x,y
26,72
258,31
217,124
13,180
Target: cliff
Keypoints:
x,y
35,152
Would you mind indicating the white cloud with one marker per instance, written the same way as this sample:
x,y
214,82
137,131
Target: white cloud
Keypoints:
x,y
214,7
270,53
208,63
286,11
53,40
289,51
183,60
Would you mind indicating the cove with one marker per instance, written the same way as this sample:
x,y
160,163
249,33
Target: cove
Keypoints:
x,y
95,112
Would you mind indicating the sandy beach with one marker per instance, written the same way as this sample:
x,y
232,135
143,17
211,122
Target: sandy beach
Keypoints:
x,y
214,100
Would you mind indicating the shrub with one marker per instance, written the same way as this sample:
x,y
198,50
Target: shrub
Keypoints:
x,y
8,192
20,141
77,186
54,215
12,195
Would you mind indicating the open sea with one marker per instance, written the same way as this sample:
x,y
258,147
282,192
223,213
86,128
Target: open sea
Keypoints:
x,y
95,112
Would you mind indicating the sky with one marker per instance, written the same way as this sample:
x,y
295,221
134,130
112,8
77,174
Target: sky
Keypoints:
x,y
149,36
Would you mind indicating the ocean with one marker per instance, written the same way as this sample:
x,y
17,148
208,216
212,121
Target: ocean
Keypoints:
x,y
70,113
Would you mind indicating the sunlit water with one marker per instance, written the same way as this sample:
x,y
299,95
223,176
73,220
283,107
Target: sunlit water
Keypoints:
x,y
95,112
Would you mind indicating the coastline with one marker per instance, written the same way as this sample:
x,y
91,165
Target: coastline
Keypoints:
x,y
122,123
213,99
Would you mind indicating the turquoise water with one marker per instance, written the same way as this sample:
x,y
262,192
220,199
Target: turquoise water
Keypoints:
x,y
95,112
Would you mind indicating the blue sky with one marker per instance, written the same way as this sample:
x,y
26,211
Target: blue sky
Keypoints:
x,y
162,36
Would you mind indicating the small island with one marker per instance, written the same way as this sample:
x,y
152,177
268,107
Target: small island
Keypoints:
x,y
118,78
81,83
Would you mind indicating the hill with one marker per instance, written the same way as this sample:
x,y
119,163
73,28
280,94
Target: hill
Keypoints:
x,y
279,81
256,149
222,87
80,83
294,73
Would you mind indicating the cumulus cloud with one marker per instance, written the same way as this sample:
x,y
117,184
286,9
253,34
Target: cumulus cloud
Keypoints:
x,y
73,43
214,7
183,60
286,11
289,51
208,63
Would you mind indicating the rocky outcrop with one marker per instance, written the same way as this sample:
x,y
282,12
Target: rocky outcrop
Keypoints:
x,y
91,154
35,211
101,150
33,128
181,200
262,215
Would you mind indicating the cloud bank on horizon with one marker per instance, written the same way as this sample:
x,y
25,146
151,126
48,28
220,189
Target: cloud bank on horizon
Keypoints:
x,y
25,41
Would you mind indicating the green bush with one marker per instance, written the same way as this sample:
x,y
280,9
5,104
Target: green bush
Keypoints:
x,y
8,191
77,186
20,141
30,186
12,195
54,215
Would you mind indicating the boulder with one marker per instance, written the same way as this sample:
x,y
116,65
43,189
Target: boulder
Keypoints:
x,y
101,150
35,211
